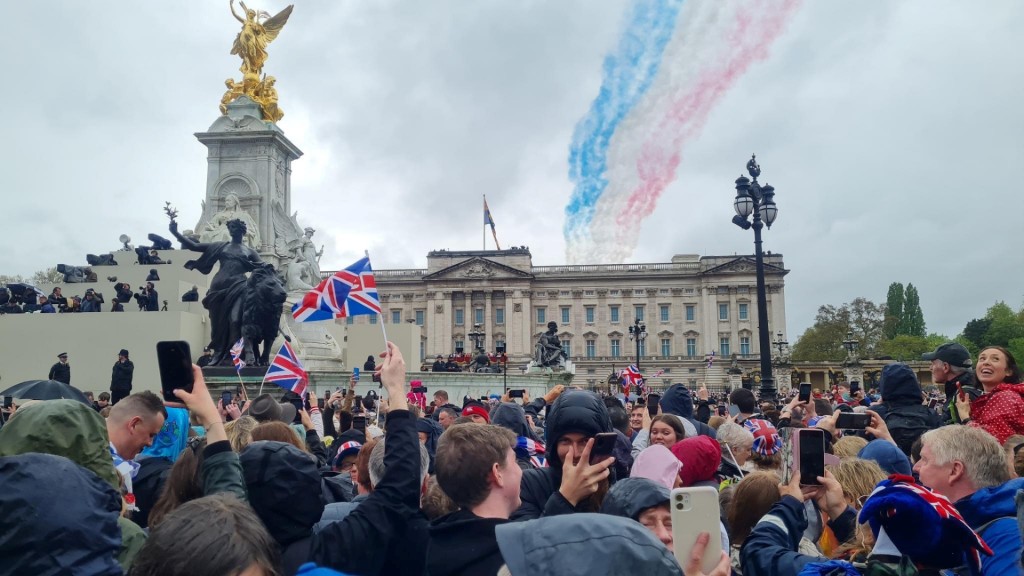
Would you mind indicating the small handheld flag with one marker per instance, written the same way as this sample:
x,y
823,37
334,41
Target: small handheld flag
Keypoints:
x,y
349,292
236,355
631,376
711,359
286,371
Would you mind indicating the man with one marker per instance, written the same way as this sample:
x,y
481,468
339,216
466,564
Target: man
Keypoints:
x,y
152,298
901,408
951,366
646,502
45,307
446,416
91,303
451,365
61,371
438,365
121,377
103,401
206,358
745,402
476,468
477,412
636,420
967,466
441,401
131,426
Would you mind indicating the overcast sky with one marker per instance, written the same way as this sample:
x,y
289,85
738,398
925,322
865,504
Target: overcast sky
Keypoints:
x,y
891,132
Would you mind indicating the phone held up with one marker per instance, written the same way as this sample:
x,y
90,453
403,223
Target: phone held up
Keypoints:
x,y
695,510
805,392
809,447
604,444
516,393
852,421
653,400
174,359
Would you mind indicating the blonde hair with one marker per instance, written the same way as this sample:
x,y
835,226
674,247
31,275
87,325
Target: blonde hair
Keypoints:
x,y
848,446
715,421
858,477
240,432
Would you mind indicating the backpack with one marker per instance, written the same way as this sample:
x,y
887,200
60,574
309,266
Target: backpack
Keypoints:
x,y
907,423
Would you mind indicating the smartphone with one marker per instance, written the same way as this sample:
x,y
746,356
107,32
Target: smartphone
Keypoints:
x,y
695,510
853,421
420,389
805,392
226,398
355,374
734,410
604,443
933,403
653,400
174,359
854,387
8,402
376,377
357,406
359,423
722,409
516,393
810,453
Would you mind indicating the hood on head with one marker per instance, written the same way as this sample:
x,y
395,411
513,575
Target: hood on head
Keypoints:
x,y
677,400
66,428
564,544
701,456
898,382
657,463
512,416
630,497
284,489
58,518
574,411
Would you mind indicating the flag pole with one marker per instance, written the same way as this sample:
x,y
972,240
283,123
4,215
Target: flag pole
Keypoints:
x,y
484,231
380,315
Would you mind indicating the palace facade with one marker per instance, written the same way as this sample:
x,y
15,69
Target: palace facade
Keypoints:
x,y
497,299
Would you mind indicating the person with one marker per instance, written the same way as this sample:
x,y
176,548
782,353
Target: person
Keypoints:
x,y
701,456
967,466
529,451
476,411
61,371
666,429
370,365
103,401
446,416
636,420
745,402
133,424
45,307
659,464
737,445
152,298
153,275
571,482
477,469
438,365
121,377
91,303
1000,410
678,400
645,501
441,401
901,408
951,367
205,359
451,365
192,295
116,306
246,549
480,361
228,288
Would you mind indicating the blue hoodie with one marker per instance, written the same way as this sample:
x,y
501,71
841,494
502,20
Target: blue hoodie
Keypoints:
x,y
677,400
1003,535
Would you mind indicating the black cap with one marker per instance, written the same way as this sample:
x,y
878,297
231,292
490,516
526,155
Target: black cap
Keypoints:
x,y
123,352
951,353
62,355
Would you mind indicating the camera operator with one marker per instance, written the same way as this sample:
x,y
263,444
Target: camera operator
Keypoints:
x,y
124,292
92,301
153,302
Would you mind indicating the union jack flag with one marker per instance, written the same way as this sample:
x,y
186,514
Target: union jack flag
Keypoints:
x,y
631,376
766,436
711,358
236,355
349,292
286,371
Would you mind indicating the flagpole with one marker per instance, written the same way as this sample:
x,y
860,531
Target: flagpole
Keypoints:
x,y
380,315
484,231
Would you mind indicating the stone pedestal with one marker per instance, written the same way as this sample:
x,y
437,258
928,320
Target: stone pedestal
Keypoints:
x,y
252,159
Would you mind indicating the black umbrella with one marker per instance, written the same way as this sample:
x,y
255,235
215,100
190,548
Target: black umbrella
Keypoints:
x,y
45,390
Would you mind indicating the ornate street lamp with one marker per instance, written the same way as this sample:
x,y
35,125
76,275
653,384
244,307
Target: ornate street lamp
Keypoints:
x,y
851,365
477,335
758,201
638,332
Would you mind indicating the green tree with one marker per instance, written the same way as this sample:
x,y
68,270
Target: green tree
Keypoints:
x,y
906,347
975,331
912,321
893,310
1000,326
823,342
47,276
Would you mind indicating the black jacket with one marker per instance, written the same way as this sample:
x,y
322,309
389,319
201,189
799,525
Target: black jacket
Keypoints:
x,y
60,372
386,532
121,375
438,366
464,544
574,411
152,301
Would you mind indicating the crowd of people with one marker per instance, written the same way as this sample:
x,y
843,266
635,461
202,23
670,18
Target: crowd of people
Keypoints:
x,y
568,483
493,362
147,299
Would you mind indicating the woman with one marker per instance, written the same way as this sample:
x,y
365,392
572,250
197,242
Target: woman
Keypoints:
x,y
737,443
666,429
184,483
278,432
1000,410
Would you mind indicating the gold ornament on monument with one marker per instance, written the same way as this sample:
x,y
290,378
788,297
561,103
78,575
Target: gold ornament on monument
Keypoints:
x,y
259,29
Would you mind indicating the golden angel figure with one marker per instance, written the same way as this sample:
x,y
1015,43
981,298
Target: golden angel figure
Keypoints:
x,y
259,29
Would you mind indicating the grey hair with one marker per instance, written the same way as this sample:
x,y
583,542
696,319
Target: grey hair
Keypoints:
x,y
983,458
377,462
734,435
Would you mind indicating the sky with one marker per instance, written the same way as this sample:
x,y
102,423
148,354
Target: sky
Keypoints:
x,y
890,131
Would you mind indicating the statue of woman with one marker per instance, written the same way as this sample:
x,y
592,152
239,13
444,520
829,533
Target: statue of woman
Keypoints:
x,y
216,229
226,295
251,43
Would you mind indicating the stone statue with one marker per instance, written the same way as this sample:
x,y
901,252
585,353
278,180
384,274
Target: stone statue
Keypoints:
x,y
294,244
238,305
548,352
259,29
734,366
216,229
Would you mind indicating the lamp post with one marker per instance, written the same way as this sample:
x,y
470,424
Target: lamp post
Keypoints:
x,y
638,332
852,363
477,335
758,201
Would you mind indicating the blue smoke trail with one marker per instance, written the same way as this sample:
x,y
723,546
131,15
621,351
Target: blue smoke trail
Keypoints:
x,y
628,73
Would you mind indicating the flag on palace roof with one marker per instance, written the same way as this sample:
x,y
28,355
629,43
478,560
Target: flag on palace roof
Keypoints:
x,y
236,355
286,371
349,292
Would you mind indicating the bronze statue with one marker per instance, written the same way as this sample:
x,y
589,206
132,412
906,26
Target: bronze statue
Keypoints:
x,y
238,305
549,351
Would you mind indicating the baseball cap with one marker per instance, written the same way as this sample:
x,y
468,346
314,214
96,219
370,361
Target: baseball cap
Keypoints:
x,y
951,353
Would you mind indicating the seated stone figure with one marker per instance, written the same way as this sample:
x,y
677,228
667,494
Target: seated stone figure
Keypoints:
x,y
549,351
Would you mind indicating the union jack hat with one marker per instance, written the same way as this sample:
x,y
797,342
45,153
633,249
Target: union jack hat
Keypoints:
x,y
766,437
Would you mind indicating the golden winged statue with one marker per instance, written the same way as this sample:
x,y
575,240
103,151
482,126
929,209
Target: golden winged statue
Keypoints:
x,y
259,29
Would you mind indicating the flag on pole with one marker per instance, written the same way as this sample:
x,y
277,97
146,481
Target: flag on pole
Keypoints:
x,y
489,221
711,359
286,371
236,355
349,292
631,377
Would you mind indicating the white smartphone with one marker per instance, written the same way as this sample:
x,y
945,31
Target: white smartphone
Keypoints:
x,y
695,510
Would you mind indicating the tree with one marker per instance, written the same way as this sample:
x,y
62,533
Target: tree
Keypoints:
x,y
975,331
47,276
912,321
1000,326
907,347
11,279
893,310
823,342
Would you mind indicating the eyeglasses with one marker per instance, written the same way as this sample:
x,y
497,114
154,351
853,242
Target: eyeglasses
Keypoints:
x,y
1017,448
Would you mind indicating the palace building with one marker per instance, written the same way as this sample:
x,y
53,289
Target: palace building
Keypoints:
x,y
497,299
